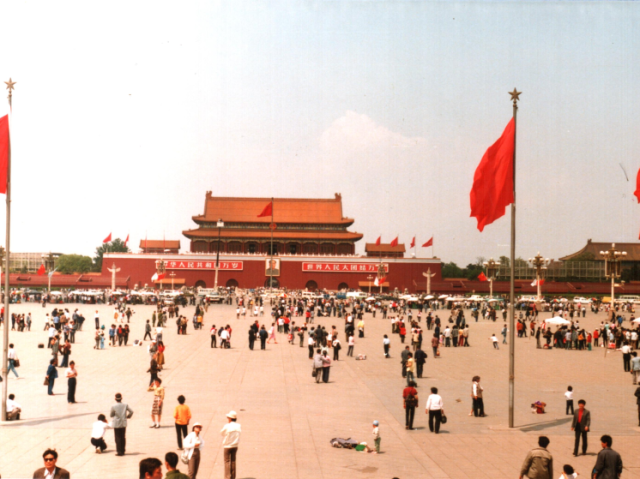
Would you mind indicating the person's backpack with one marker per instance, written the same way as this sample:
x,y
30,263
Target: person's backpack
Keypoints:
x,y
411,401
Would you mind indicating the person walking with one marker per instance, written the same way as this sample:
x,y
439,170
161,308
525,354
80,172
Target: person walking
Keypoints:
x,y
609,463
580,424
476,395
410,399
386,344
637,395
351,343
404,356
97,434
635,367
326,367
410,367
317,365
435,343
147,330
158,400
434,409
52,374
420,359
230,441
153,371
50,470
193,444
12,357
182,416
539,463
263,337
72,381
120,412
337,346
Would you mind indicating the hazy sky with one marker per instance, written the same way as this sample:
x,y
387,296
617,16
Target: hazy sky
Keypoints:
x,y
126,113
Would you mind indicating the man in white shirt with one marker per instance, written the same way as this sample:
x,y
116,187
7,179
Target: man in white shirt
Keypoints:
x,y
13,408
97,433
434,409
224,339
626,356
230,439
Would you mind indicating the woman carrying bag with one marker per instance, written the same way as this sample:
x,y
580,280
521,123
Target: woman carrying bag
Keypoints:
x,y
193,443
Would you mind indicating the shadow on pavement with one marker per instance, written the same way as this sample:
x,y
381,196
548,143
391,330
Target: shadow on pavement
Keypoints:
x,y
37,421
544,425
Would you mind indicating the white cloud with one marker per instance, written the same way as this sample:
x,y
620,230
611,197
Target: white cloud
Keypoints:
x,y
358,132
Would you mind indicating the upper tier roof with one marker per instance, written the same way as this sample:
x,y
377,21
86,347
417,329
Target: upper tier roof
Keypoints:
x,y
285,210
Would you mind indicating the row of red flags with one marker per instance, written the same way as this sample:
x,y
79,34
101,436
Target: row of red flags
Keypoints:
x,y
108,239
394,242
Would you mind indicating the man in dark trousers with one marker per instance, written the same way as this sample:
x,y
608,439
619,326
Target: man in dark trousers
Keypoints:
x,y
581,423
609,463
404,356
120,412
263,337
421,358
637,395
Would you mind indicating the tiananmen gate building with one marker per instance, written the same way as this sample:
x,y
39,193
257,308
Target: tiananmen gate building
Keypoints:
x,y
312,249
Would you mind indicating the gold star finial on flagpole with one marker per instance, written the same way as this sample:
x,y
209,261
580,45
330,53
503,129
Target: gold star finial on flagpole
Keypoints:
x,y
10,88
515,95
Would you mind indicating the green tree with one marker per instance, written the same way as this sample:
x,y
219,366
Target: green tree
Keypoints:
x,y
472,271
74,263
452,270
504,261
115,246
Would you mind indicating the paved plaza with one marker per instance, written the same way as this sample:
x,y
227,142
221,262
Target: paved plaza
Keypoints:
x,y
287,419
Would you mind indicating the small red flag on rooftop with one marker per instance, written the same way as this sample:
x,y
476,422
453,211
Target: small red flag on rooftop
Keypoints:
x,y
107,239
127,240
428,243
413,242
267,211
41,270
378,240
482,277
394,242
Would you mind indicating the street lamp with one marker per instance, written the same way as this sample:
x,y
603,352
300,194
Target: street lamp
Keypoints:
x,y
612,267
49,263
382,272
173,275
492,270
160,266
369,278
540,264
2,255
220,226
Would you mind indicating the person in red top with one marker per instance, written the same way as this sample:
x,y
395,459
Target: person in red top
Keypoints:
x,y
410,398
403,332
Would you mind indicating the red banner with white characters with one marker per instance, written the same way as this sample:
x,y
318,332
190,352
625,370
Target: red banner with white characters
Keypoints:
x,y
224,265
322,267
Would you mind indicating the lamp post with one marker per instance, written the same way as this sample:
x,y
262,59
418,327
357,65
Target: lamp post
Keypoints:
x,y
612,267
49,263
540,264
369,278
381,275
492,270
220,226
160,266
173,275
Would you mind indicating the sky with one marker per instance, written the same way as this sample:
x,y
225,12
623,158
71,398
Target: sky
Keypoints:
x,y
126,113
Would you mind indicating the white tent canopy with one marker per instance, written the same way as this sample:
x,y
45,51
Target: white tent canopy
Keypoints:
x,y
557,320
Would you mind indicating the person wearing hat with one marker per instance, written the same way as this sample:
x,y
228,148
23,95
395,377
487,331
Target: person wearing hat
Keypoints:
x,y
120,412
376,436
230,439
193,443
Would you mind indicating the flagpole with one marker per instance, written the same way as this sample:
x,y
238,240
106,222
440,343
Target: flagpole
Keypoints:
x,y
271,261
514,97
5,333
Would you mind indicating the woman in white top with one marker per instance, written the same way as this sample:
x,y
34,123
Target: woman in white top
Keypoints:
x,y
192,445
12,357
72,374
434,409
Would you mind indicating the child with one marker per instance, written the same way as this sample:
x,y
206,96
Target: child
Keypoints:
x,y
568,472
569,396
495,341
376,436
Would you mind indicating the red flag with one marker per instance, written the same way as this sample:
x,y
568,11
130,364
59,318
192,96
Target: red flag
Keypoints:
x,y
428,243
636,193
126,241
378,240
492,187
394,242
482,277
267,211
41,270
5,146
107,239
413,242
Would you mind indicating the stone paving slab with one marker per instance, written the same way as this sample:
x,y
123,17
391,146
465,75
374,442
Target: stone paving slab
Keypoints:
x,y
288,419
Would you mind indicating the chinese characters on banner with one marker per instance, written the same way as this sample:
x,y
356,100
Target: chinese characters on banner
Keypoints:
x,y
342,267
224,265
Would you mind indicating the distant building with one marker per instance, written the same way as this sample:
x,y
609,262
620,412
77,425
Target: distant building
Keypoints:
x,y
385,250
27,262
160,246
